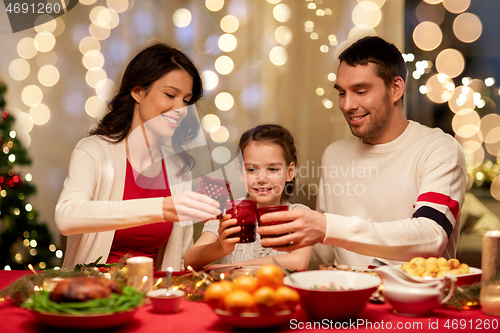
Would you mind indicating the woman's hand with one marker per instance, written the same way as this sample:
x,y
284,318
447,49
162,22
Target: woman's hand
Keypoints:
x,y
189,206
227,228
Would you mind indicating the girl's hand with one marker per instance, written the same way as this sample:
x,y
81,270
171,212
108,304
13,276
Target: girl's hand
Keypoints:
x,y
189,206
227,228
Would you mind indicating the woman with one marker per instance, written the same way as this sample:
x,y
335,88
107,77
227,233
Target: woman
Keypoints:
x,y
131,175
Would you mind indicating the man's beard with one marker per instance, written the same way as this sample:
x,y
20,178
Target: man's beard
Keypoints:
x,y
378,122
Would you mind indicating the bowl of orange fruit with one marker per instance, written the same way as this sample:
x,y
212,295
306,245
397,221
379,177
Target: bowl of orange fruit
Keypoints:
x,y
249,301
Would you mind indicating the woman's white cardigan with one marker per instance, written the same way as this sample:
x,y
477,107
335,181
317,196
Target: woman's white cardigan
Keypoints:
x,y
91,205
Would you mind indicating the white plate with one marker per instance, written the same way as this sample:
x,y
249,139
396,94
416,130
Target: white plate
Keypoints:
x,y
473,276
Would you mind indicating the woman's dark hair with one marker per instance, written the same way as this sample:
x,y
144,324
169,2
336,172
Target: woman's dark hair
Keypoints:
x,y
275,134
386,56
150,65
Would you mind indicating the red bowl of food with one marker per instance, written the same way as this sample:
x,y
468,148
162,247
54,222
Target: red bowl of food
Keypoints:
x,y
334,295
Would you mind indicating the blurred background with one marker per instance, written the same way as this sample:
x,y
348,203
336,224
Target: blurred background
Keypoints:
x,y
266,61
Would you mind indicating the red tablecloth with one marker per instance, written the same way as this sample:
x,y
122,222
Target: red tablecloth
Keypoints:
x,y
198,317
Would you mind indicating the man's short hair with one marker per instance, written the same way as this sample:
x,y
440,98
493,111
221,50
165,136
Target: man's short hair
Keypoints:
x,y
386,56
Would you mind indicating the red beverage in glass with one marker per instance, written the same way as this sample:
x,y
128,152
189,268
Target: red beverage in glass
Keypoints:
x,y
245,212
264,210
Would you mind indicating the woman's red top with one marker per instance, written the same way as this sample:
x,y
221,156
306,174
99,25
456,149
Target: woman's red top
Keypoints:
x,y
144,240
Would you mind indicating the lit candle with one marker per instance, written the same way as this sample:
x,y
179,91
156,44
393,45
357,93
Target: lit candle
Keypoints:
x,y
140,273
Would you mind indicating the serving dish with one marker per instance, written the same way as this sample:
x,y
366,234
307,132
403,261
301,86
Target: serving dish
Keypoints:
x,y
249,320
353,290
86,321
463,279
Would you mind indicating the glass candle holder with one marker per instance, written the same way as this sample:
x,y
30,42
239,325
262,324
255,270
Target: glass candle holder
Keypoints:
x,y
245,212
140,273
489,297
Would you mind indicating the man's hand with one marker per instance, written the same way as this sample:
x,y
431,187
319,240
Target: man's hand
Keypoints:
x,y
304,228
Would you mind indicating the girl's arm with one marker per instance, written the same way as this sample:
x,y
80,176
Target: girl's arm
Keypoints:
x,y
208,248
295,260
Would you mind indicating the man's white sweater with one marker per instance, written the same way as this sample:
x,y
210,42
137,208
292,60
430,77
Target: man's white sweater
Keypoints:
x,y
396,200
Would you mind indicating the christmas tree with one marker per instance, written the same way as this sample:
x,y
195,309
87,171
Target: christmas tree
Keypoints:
x,y
23,240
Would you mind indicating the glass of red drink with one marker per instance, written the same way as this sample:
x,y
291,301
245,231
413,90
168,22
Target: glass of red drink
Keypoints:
x,y
264,210
245,212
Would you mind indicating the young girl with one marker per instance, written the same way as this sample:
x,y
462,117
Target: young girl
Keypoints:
x,y
268,170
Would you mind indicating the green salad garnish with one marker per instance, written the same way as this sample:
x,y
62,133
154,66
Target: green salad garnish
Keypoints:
x,y
129,299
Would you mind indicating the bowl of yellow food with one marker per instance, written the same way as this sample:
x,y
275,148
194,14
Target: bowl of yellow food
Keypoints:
x,y
425,269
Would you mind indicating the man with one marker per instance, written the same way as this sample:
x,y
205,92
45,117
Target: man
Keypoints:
x,y
395,189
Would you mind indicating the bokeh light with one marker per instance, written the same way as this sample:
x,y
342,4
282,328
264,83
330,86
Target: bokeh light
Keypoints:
x,y
438,88
466,123
378,3
475,158
214,5
282,12
456,6
366,15
210,80
94,78
462,97
60,27
450,62
87,2
489,122
44,41
433,2
227,42
95,106
19,69
89,43
221,155
48,75
32,95
24,122
26,48
40,114
93,60
495,188
49,25
229,23
118,6
224,65
278,55
356,33
427,36
224,101
426,12
98,32
106,89
210,122
467,27
182,17
220,135
283,35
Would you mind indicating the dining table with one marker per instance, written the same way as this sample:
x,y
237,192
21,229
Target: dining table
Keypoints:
x,y
198,317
